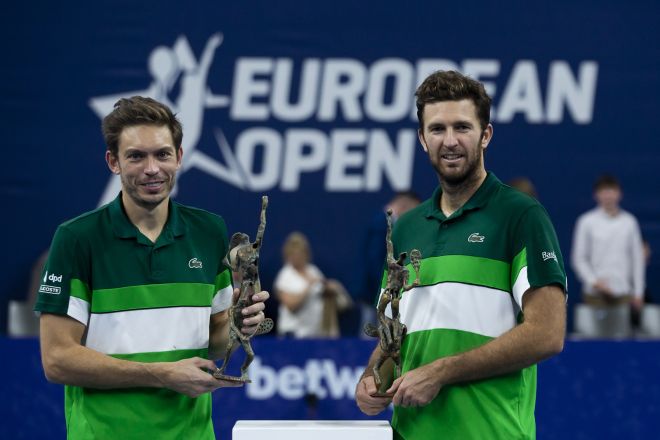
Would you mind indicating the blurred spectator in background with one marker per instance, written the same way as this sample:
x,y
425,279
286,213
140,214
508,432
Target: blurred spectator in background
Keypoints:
x,y
608,255
22,319
648,298
375,252
400,204
309,302
525,185
35,278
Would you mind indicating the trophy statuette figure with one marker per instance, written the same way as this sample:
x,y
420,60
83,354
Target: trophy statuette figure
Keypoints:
x,y
243,259
390,330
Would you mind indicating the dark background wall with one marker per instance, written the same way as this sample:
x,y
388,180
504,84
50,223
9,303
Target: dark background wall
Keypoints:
x,y
574,87
311,104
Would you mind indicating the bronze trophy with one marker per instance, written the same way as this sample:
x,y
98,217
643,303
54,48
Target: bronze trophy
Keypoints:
x,y
243,259
391,331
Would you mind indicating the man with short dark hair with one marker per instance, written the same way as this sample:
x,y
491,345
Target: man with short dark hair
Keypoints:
x,y
608,254
491,302
134,295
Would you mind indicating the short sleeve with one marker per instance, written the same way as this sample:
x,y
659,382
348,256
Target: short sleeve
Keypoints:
x,y
316,272
223,292
280,279
538,260
64,287
223,280
289,281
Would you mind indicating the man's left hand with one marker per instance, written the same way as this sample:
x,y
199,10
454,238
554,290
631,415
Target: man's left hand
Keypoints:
x,y
417,387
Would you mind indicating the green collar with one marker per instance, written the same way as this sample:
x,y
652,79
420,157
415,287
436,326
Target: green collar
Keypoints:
x,y
478,199
175,226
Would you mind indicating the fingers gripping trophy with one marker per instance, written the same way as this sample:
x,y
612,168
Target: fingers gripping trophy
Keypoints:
x,y
243,259
390,330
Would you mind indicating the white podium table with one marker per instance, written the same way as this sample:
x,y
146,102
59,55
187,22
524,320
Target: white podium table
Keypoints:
x,y
312,429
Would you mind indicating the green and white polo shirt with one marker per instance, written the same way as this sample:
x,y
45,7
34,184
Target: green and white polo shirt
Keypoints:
x,y
141,301
476,266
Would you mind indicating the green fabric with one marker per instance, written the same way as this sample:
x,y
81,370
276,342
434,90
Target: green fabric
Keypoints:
x,y
461,269
487,242
519,262
103,250
499,408
152,296
80,290
223,280
139,413
102,260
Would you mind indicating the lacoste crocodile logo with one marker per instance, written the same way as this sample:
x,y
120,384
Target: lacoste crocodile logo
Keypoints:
x,y
476,238
194,263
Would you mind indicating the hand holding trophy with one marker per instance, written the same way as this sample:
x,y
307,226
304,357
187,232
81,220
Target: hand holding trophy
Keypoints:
x,y
390,330
243,259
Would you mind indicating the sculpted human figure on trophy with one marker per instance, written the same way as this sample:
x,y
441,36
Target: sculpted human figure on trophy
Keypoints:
x,y
390,330
243,259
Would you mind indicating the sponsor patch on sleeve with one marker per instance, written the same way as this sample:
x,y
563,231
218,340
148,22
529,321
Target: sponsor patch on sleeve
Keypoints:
x,y
549,255
53,290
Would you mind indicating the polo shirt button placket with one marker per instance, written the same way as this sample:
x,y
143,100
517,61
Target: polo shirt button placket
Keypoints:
x,y
156,273
441,238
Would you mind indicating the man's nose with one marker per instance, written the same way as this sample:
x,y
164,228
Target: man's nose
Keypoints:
x,y
151,166
450,138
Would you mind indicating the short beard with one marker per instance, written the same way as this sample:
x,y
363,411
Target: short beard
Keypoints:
x,y
145,204
467,177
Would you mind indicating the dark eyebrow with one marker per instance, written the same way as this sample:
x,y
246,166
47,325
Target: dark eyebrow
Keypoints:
x,y
166,148
131,150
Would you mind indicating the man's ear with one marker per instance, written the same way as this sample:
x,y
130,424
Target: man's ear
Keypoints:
x,y
487,136
422,141
179,158
113,162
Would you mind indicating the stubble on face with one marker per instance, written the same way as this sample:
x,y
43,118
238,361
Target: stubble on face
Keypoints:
x,y
147,163
455,143
458,176
151,201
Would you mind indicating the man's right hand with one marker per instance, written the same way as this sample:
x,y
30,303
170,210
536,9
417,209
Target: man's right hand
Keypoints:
x,y
369,404
191,376
602,288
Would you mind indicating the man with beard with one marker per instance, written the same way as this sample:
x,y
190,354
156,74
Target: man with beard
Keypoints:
x,y
491,303
134,295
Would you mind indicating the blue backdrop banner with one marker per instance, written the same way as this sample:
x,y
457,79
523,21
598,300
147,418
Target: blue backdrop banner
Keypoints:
x,y
593,390
312,104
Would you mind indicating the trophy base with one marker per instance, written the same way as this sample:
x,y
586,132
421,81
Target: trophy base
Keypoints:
x,y
382,394
228,378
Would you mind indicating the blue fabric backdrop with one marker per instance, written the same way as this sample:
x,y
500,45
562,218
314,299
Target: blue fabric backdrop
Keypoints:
x,y
311,103
593,390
